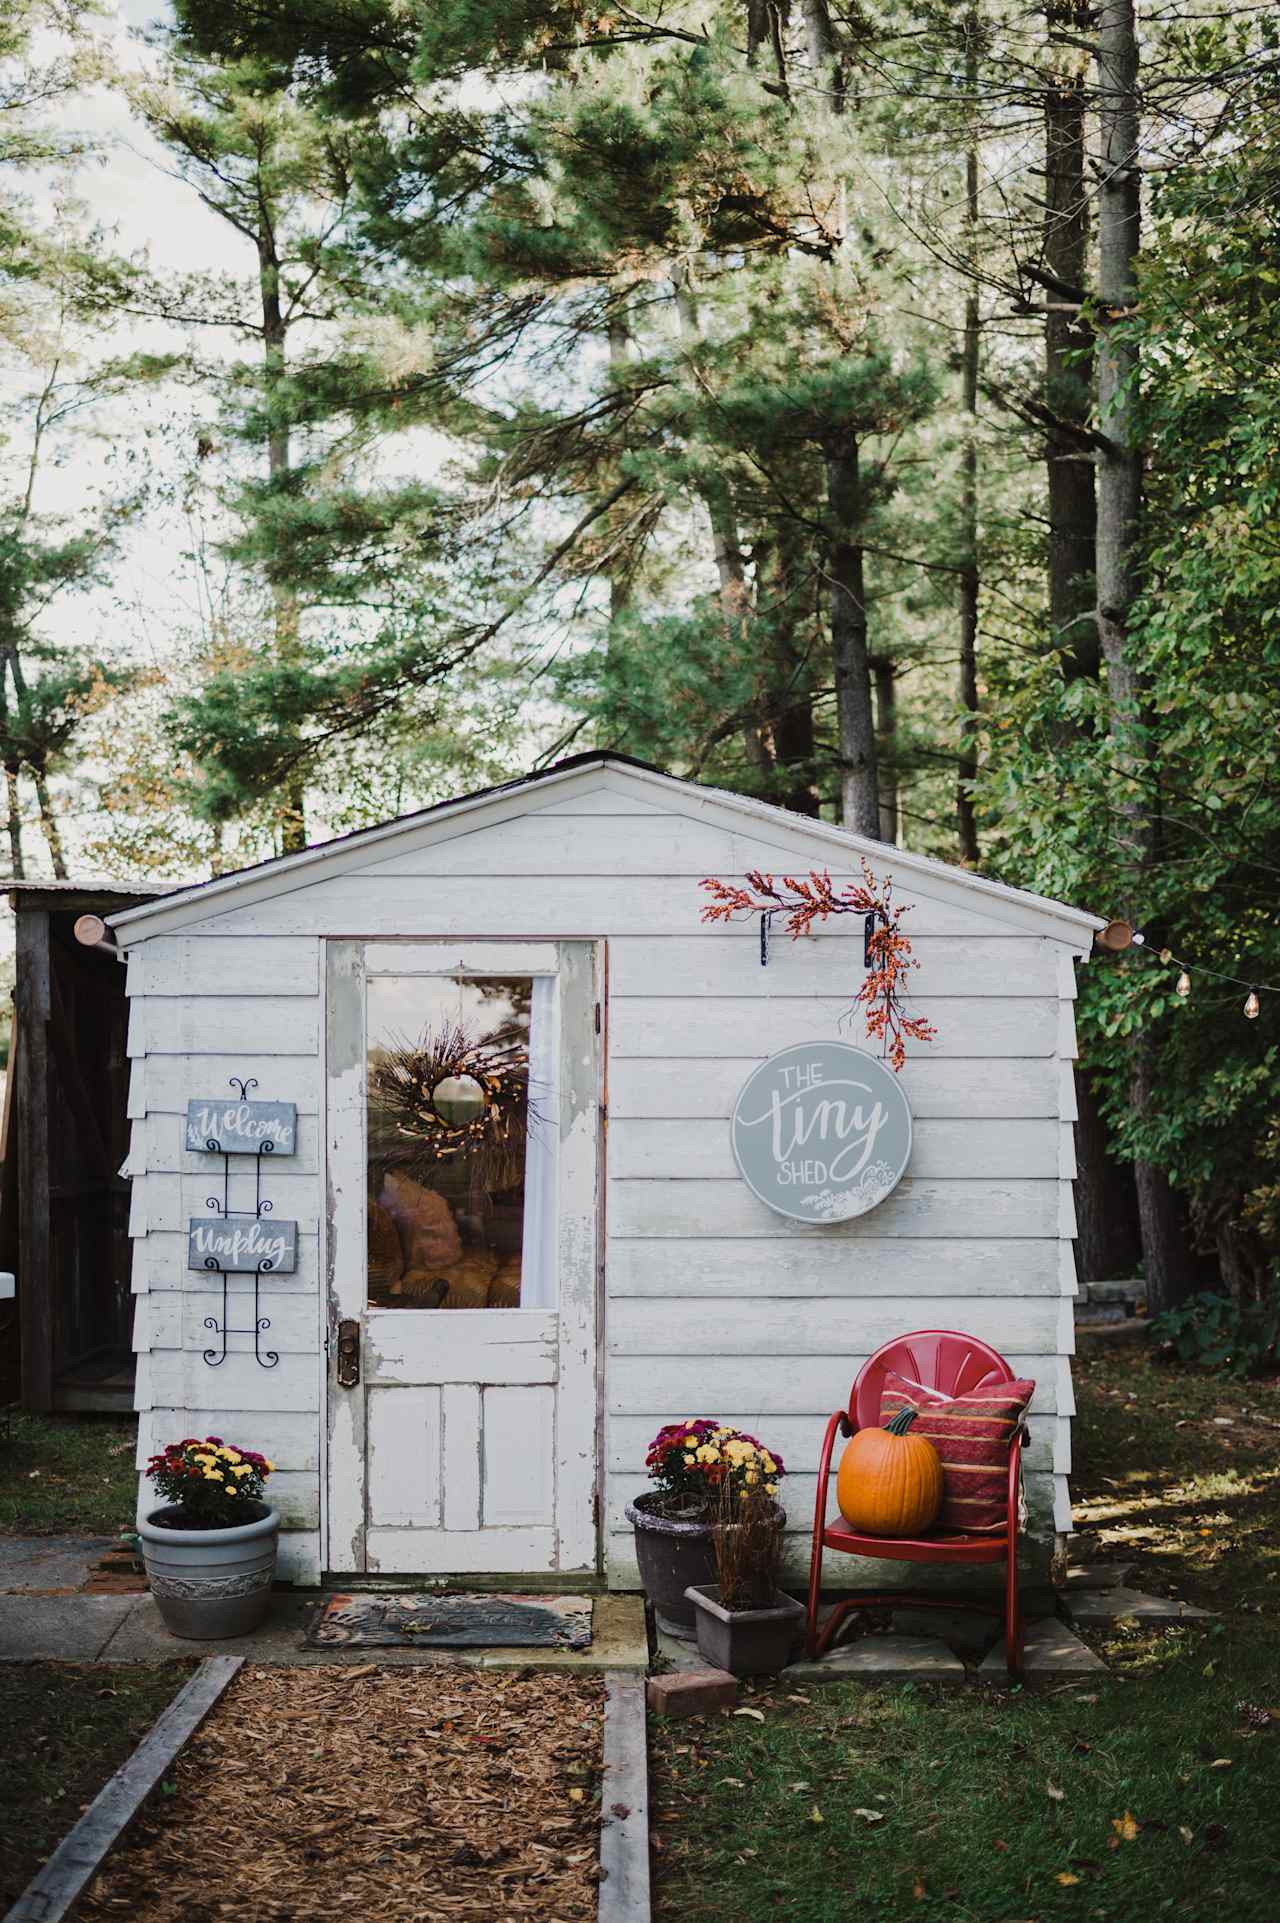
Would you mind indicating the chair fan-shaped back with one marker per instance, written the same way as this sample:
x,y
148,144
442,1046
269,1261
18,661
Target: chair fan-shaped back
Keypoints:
x,y
940,1359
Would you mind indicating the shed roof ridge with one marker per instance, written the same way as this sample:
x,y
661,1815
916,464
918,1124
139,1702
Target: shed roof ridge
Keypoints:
x,y
998,892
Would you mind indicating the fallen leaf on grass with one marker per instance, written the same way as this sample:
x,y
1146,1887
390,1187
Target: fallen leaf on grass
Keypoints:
x,y
869,1815
1066,1879
816,1816
1058,1795
730,1782
1221,1762
918,1890
577,1795
797,1787
999,1844
756,1715
1186,1835
1126,1827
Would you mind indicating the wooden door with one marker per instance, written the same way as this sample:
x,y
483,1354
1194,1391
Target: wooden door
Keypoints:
x,y
463,1121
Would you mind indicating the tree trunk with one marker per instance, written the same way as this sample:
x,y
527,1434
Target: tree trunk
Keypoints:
x,y
885,677
855,727
293,812
824,57
789,694
49,825
13,801
967,769
735,602
1167,1260
1108,1235
1068,357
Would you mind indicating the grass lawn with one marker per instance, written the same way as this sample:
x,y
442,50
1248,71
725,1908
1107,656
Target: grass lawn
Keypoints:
x,y
78,1724
67,1473
1149,1795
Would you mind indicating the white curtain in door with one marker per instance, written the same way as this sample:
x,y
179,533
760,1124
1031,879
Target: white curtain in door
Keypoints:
x,y
538,1259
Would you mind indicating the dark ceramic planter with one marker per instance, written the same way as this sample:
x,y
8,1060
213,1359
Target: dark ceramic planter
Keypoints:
x,y
746,1642
672,1555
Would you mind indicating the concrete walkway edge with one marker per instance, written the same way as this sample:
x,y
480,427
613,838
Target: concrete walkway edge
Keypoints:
x,y
52,1891
624,1804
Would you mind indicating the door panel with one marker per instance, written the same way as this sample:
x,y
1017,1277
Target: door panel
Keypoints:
x,y
469,1444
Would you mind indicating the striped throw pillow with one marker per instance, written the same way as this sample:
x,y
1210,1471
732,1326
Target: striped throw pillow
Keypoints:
x,y
972,1434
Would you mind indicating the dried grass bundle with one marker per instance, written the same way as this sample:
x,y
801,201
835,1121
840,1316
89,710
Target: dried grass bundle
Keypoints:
x,y
748,1546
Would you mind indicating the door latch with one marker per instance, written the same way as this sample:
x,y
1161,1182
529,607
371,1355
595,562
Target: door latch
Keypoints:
x,y
348,1354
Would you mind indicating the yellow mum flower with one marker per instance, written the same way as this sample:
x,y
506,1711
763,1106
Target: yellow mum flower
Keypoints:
x,y
752,1476
267,1466
690,1440
214,1475
231,1455
771,1488
769,1462
707,1454
689,1461
242,1469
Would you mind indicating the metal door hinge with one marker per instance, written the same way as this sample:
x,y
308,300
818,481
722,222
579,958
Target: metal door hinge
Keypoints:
x,y
597,1018
348,1354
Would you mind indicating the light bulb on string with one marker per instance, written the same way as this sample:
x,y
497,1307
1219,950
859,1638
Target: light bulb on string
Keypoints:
x,y
1184,984
1252,1007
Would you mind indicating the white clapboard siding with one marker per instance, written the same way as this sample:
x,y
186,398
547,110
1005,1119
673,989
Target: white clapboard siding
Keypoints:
x,y
290,1442
830,964
169,1201
174,1320
967,1208
180,965
258,1024
158,1145
673,1388
164,1084
798,1441
181,1379
874,1265
673,1028
490,901
160,1263
994,1151
696,1088
787,1325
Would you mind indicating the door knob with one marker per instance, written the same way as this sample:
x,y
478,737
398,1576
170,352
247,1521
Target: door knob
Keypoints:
x,y
348,1354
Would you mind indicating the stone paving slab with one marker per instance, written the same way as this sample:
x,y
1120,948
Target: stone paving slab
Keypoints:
x,y
1109,1605
1098,1575
74,1629
882,1659
1051,1653
44,1563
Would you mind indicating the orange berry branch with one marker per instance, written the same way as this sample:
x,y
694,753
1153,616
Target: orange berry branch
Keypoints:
x,y
888,950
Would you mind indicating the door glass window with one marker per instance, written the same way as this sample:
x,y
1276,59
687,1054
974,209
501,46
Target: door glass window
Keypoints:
x,y
460,1141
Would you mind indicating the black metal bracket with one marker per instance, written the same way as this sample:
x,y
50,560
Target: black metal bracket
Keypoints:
x,y
266,1359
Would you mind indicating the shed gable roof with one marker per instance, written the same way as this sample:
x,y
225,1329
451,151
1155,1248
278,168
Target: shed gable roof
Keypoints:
x,y
800,842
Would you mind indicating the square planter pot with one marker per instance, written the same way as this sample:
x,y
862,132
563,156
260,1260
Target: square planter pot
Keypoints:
x,y
747,1642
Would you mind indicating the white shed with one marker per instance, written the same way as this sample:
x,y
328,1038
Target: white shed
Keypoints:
x,y
628,1273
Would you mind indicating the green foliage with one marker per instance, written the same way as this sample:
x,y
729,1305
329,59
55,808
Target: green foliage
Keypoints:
x,y
1214,1332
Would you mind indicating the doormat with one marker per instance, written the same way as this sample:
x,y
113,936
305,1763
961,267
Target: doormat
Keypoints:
x,y
416,1621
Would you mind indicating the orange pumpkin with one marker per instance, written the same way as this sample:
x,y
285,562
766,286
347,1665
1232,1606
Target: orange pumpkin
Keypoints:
x,y
890,1483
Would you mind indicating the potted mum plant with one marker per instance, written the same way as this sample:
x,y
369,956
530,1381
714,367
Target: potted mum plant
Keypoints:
x,y
210,1550
675,1521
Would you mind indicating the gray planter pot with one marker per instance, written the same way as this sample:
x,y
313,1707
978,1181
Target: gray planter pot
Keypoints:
x,y
747,1642
671,1554
210,1583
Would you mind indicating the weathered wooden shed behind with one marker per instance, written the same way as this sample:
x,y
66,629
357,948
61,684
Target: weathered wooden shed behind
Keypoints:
x,y
706,1300
64,1203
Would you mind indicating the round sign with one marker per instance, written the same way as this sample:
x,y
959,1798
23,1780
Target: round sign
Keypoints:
x,y
822,1131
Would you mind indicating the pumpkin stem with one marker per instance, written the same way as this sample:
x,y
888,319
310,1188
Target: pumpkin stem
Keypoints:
x,y
899,1424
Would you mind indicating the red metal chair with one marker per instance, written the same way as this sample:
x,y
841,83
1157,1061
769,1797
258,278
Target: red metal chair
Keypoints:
x,y
955,1364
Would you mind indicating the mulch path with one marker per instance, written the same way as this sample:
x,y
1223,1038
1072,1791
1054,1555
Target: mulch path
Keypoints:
x,y
401,1794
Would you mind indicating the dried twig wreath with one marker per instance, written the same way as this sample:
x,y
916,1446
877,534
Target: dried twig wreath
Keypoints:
x,y
888,950
407,1128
